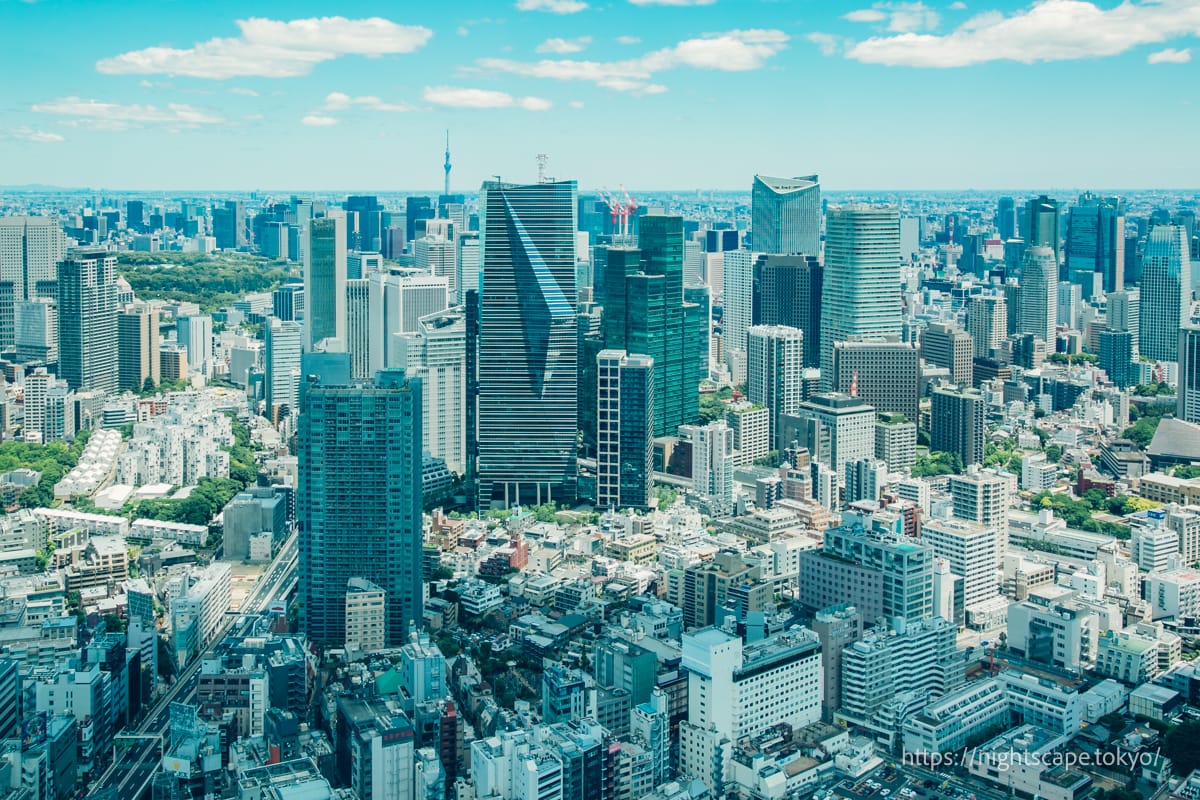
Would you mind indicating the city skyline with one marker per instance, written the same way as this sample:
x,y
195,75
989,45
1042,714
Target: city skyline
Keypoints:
x,y
250,97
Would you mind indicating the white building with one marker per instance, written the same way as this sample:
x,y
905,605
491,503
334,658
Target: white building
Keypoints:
x,y
1173,594
366,610
197,611
436,352
712,465
970,549
399,299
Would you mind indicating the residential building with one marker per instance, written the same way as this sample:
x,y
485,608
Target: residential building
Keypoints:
x,y
957,423
87,320
775,368
624,430
137,346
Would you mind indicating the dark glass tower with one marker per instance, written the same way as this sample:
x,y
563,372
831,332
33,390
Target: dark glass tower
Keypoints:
x,y
87,320
359,501
528,346
787,291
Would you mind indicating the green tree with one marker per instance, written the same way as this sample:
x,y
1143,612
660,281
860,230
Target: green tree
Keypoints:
x,y
1142,431
1182,746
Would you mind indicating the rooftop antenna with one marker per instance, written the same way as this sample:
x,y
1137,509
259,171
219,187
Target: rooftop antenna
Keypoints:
x,y
446,166
542,159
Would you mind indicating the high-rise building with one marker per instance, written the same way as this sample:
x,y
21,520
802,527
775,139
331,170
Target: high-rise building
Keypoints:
x,y
287,302
87,320
416,211
467,264
786,215
836,428
738,308
646,311
861,288
358,503
787,291
358,264
1006,219
282,368
1037,313
229,225
712,465
437,354
1188,400
137,346
399,298
982,495
1166,290
30,251
624,430
1043,219
950,347
369,218
896,441
195,334
884,374
775,370
1095,251
438,256
956,423
1124,311
987,323
527,347
358,326
325,283
1117,357
970,549
36,323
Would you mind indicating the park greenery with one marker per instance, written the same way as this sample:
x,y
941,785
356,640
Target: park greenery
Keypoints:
x,y
209,280
1072,358
937,463
1162,389
52,460
1078,513
712,405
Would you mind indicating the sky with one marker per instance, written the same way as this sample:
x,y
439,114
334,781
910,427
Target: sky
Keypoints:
x,y
648,94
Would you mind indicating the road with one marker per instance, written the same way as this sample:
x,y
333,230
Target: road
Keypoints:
x,y
130,776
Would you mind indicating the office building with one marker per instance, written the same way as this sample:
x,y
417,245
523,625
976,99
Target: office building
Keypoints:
x,y
786,215
624,430
325,283
366,617
738,305
375,748
970,549
438,256
30,251
1095,249
896,441
416,211
36,330
712,465
437,354
987,323
1042,227
1124,311
1006,219
87,320
358,326
957,423
950,347
359,450
1166,292
787,291
137,346
197,613
884,374
287,302
774,369
1117,357
195,334
646,311
229,225
527,345
836,428
861,286
399,298
751,426
1038,310
358,264
837,627
282,368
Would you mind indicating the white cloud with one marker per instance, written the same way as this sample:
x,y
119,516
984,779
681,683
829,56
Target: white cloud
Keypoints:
x,y
628,40
1049,30
242,91
1170,56
339,101
576,104
732,51
564,46
115,116
463,30
318,120
827,42
456,97
672,2
901,17
31,135
553,6
273,48
957,5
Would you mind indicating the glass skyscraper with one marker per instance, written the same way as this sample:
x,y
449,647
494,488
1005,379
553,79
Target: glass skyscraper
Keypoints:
x,y
1037,312
861,288
359,502
527,345
325,282
786,215
87,320
1166,292
625,429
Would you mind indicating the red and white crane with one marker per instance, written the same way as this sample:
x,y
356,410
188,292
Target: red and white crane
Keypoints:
x,y
621,209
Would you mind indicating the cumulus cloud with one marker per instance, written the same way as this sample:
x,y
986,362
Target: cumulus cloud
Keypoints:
x,y
552,6
457,97
339,101
318,120
826,42
732,51
628,40
1170,56
116,116
900,17
273,48
1049,30
865,15
563,46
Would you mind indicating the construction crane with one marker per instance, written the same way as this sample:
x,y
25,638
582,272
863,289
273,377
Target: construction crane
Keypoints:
x,y
621,209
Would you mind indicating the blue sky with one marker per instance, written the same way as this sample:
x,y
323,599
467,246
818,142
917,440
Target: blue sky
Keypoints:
x,y
646,93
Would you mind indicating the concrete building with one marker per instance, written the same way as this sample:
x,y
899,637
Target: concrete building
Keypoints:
x,y
774,369
883,374
365,617
836,428
197,612
194,333
952,348
957,423
896,441
138,346
970,549
624,430
712,465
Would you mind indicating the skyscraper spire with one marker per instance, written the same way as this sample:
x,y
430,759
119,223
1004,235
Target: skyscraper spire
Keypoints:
x,y
446,166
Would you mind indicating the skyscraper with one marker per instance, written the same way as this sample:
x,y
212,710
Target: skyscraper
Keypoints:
x,y
1038,311
358,503
87,320
775,369
987,322
30,250
527,346
1117,357
358,326
624,429
196,335
738,308
1124,311
325,283
956,422
861,289
883,374
1006,219
1188,402
437,354
950,347
787,291
786,215
1166,292
438,255
645,312
282,369
137,346
712,465
1042,225
1095,252
398,299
